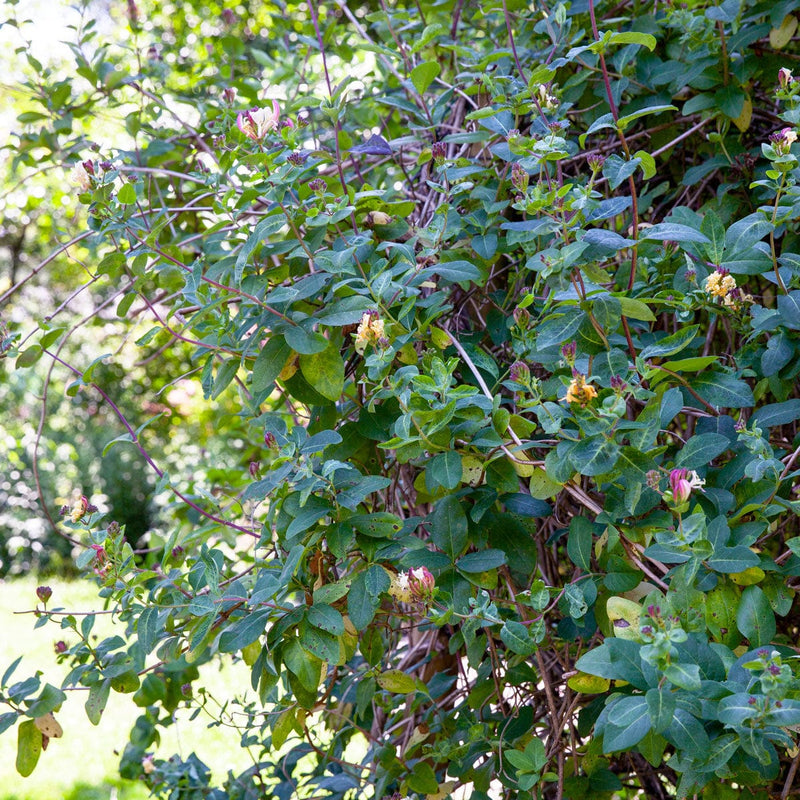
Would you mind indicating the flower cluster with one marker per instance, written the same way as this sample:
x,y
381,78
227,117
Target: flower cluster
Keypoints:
x,y
79,509
783,140
370,331
256,123
720,284
414,586
579,391
681,484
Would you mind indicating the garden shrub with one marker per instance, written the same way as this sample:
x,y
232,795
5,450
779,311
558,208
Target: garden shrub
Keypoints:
x,y
495,311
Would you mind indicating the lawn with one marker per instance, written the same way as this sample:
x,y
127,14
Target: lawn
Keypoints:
x,y
83,764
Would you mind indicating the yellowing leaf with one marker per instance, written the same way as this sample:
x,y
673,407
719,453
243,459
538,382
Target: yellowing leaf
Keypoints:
x,y
395,680
588,684
748,577
624,616
742,122
781,36
542,486
29,747
49,726
471,470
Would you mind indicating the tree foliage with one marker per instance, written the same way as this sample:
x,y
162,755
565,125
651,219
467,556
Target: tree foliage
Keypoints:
x,y
494,310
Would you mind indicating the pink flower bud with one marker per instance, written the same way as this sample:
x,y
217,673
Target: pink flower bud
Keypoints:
x,y
421,583
681,489
784,78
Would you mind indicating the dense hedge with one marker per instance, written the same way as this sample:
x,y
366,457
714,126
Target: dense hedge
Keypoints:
x,y
497,309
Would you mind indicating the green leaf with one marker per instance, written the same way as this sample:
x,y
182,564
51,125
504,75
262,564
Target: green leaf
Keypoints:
x,y
661,707
323,645
616,659
147,629
684,676
671,344
673,232
49,699
423,779
325,372
482,561
516,638
244,631
427,36
361,604
633,37
594,455
304,666
624,121
379,525
628,722
579,543
29,747
701,450
443,470
636,309
269,363
397,681
789,309
754,617
723,391
687,734
327,618
449,526
127,194
775,414
423,75
96,701
29,356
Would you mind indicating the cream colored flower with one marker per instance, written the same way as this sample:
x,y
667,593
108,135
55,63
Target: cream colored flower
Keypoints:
x,y
80,177
370,331
258,122
720,284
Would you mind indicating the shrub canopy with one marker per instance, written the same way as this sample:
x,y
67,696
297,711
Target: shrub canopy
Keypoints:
x,y
494,312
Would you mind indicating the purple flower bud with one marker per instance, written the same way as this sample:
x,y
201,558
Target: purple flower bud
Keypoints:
x,y
229,95
318,186
44,593
519,372
568,352
519,177
439,153
270,441
60,647
254,469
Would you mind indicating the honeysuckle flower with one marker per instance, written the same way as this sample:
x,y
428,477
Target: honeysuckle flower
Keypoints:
x,y
784,77
720,284
370,331
148,765
421,583
783,140
256,123
547,101
318,185
81,177
78,511
579,391
681,483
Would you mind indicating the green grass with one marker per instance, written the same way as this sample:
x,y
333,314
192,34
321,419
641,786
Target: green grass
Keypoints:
x,y
83,764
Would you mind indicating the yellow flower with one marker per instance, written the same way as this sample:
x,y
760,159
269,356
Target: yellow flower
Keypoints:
x,y
579,391
370,331
720,284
